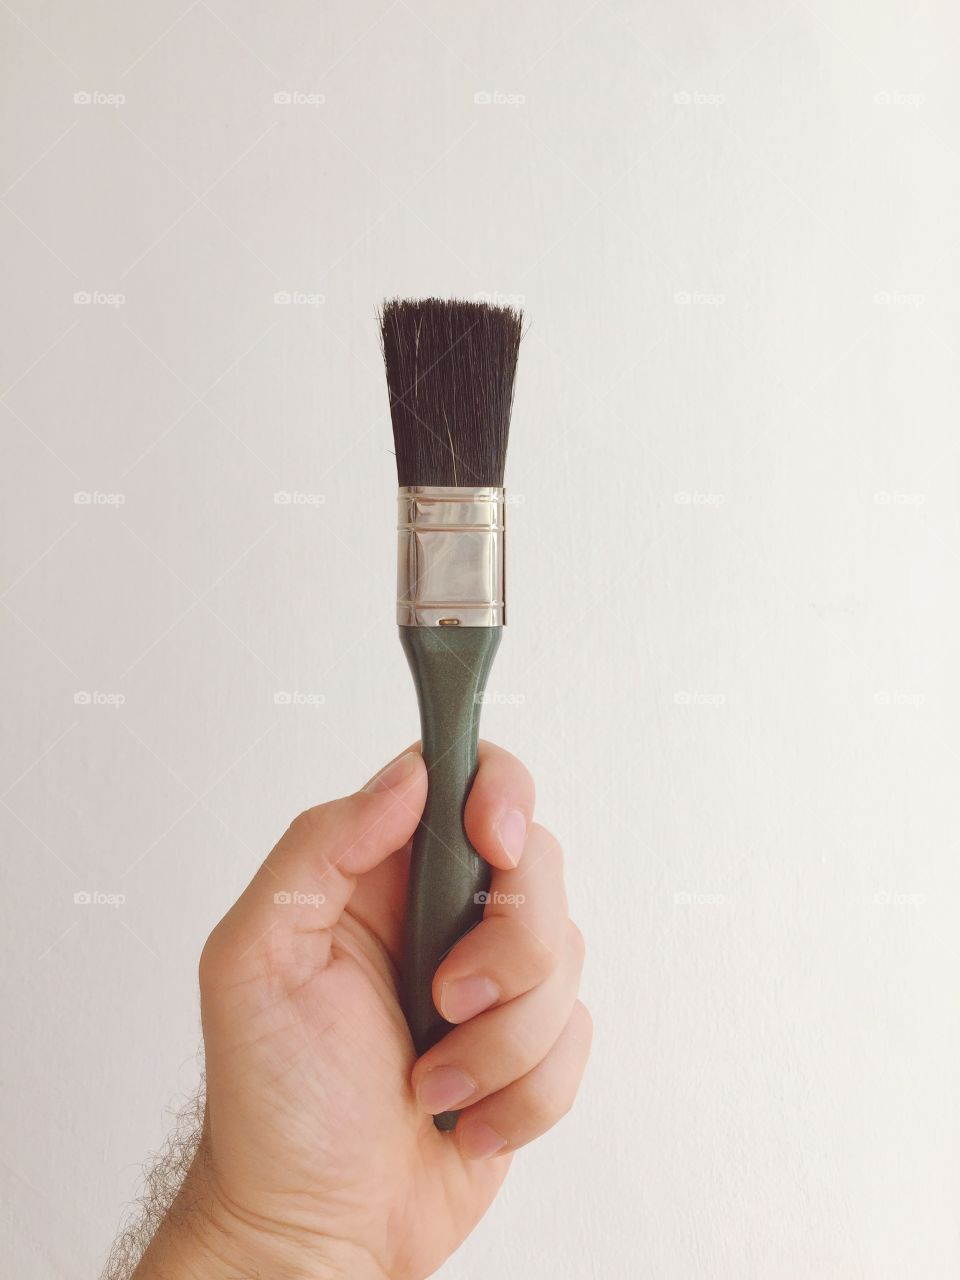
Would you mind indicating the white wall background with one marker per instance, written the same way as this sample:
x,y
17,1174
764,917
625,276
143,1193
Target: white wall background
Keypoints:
x,y
732,657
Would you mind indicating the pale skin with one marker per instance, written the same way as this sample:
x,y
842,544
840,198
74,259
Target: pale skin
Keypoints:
x,y
319,1156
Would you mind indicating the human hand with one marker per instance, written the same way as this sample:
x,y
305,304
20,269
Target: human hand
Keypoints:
x,y
319,1156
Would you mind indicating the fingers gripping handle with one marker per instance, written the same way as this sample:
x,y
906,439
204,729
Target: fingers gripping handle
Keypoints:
x,y
450,666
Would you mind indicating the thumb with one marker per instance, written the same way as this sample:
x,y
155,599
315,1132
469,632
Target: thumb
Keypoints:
x,y
307,880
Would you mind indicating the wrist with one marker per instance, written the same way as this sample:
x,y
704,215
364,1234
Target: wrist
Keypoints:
x,y
204,1238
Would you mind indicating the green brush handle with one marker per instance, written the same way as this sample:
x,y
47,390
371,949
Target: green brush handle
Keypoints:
x,y
450,667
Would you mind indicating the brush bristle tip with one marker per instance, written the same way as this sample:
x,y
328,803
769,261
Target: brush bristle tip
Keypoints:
x,y
450,368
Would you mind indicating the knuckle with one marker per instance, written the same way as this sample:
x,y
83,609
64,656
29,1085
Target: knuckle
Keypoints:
x,y
314,831
508,1055
525,778
546,1105
310,821
581,1024
506,763
212,961
302,823
577,944
517,958
522,956
545,963
544,960
549,848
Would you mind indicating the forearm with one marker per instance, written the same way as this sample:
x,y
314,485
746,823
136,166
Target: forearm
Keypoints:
x,y
185,1230
201,1239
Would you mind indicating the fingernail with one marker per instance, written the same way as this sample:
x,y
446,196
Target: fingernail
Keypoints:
x,y
394,773
444,1088
478,1141
512,831
466,997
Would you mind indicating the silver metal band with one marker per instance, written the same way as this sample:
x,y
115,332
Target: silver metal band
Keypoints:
x,y
450,569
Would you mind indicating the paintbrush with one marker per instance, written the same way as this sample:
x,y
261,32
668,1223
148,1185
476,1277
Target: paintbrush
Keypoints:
x,y
450,373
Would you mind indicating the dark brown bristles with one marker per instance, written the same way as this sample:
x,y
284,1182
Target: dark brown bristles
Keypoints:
x,y
450,372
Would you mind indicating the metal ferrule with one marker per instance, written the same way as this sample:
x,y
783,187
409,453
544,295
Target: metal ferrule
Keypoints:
x,y
450,570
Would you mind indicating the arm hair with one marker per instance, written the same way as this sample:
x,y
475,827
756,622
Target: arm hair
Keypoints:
x,y
163,1178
